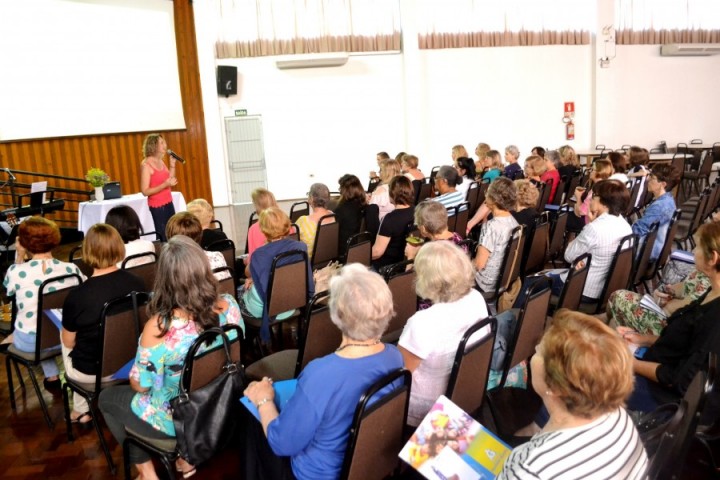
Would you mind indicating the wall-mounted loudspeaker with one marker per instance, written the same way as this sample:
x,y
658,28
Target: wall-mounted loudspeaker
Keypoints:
x,y
227,80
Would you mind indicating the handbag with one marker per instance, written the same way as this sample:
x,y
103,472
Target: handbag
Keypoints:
x,y
205,418
653,425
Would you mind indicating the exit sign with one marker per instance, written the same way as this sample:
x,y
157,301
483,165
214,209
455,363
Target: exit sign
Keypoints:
x,y
241,113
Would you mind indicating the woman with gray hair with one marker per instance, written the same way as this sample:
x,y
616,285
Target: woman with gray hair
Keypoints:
x,y
431,219
430,339
513,169
309,437
318,198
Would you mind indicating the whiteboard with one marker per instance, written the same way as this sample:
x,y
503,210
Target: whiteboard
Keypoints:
x,y
83,67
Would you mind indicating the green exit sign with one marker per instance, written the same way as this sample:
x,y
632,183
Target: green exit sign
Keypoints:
x,y
241,112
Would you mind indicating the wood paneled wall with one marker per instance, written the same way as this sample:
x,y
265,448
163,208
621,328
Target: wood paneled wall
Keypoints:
x,y
120,154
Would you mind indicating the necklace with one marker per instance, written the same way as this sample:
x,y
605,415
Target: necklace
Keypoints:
x,y
357,345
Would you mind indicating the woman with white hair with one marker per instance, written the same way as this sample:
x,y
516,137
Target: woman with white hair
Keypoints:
x,y
430,339
204,212
319,199
307,440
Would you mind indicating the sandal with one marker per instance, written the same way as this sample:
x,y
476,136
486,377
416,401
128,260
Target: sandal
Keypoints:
x,y
186,473
79,419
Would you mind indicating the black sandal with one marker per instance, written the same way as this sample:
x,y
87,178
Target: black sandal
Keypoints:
x,y
80,417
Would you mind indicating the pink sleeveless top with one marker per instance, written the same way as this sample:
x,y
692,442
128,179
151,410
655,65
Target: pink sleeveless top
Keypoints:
x,y
163,197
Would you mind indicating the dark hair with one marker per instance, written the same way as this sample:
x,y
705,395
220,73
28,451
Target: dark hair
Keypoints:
x,y
184,223
351,190
638,156
539,151
668,174
468,165
613,194
126,222
619,162
450,175
38,235
401,191
184,280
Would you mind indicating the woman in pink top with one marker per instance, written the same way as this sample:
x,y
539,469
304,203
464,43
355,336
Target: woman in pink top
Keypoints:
x,y
262,199
156,179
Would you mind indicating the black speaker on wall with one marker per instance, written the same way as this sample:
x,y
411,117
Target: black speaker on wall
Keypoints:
x,y
227,80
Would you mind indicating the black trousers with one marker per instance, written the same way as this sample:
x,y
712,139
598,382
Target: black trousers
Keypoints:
x,y
258,459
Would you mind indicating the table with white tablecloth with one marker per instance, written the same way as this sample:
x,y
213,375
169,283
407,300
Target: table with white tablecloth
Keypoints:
x,y
90,213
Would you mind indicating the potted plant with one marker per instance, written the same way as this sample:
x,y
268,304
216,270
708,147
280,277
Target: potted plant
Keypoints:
x,y
97,178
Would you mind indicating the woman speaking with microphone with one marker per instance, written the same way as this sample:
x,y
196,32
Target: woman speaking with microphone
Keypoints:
x,y
156,180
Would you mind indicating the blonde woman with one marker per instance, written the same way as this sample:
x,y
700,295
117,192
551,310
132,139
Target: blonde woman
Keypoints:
x,y
569,163
601,170
204,212
409,167
262,199
492,166
156,180
457,152
480,151
381,195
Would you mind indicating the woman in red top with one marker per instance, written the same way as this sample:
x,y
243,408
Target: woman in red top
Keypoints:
x,y
156,179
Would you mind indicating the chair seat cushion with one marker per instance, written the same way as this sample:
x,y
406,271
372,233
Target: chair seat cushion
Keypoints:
x,y
90,387
278,366
30,356
166,444
257,322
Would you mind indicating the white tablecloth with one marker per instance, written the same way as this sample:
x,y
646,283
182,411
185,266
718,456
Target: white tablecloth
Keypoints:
x,y
90,213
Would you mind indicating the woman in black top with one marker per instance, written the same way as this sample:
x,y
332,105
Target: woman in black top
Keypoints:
x,y
527,198
389,244
674,357
350,209
102,249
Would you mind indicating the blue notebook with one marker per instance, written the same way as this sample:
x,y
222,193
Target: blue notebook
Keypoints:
x,y
284,390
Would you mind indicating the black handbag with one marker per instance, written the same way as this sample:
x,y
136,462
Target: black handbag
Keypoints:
x,y
205,418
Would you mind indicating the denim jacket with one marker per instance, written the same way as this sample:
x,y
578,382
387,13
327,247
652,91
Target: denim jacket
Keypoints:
x,y
660,210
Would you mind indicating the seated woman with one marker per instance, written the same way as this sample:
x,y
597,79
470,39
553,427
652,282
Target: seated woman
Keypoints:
x,y
389,169
535,168
389,246
101,250
513,169
125,220
619,163
185,223
466,169
458,151
34,264
480,152
319,199
431,219
275,225
583,373
261,199
660,183
672,359
525,211
569,163
601,170
409,168
350,209
428,343
501,197
202,209
183,278
492,166
308,438
551,174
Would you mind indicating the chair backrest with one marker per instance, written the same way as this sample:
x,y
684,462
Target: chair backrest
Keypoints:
x,y
298,209
529,327
669,458
402,287
473,196
226,247
433,174
373,184
559,191
75,257
216,225
670,236
644,264
51,295
227,282
557,236
512,257
538,240
471,367
318,335
573,182
571,294
483,193
678,161
706,165
372,219
699,212
359,249
376,434
203,367
545,194
251,221
542,188
287,286
146,271
325,249
462,215
417,187
119,330
634,192
621,270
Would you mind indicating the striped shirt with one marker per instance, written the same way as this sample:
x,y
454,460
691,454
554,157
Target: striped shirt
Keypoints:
x,y
607,448
451,199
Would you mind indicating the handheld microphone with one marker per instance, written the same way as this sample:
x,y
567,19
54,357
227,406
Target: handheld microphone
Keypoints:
x,y
176,156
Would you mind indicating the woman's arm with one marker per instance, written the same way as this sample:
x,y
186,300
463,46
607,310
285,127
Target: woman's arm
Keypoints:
x,y
479,216
646,369
67,338
262,395
145,182
482,257
149,338
410,360
381,244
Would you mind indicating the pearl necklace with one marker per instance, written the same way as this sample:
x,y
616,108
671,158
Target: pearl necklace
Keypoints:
x,y
357,345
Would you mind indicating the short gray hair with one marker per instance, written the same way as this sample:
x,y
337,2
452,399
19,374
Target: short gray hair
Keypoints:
x,y
444,272
513,150
361,304
319,195
431,215
450,175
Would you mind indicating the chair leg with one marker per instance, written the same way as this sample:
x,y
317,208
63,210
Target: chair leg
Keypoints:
x,y
126,458
43,405
96,423
11,390
66,405
19,375
169,467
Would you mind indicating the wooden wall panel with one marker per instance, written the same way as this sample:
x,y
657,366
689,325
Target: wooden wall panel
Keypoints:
x,y
120,154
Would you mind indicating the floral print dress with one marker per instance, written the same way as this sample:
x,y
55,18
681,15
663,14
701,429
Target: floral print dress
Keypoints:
x,y
159,368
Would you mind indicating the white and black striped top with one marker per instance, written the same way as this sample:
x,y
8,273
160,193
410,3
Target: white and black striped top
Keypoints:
x,y
608,448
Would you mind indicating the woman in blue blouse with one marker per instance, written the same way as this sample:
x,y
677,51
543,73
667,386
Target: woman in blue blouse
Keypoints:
x,y
185,302
307,440
660,183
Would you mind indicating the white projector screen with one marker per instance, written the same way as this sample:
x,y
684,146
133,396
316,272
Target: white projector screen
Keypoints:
x,y
84,67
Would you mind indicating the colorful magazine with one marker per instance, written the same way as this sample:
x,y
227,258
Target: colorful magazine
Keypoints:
x,y
450,444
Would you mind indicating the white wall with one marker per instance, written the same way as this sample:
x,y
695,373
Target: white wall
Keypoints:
x,y
321,123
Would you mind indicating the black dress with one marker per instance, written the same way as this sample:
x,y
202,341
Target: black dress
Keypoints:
x,y
349,216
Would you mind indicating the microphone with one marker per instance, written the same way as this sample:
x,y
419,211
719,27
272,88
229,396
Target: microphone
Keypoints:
x,y
176,156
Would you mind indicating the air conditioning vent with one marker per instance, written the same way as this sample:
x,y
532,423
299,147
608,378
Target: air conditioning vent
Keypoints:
x,y
313,60
689,49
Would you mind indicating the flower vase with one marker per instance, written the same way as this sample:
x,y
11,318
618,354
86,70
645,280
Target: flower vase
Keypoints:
x,y
99,194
